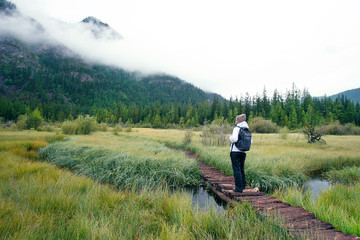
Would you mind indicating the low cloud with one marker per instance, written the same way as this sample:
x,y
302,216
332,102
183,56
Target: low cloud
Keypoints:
x,y
22,27
230,48
101,47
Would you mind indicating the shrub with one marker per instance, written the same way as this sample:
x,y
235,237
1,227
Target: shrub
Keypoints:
x,y
351,129
216,133
261,125
117,129
35,119
188,137
129,129
82,125
103,127
86,125
21,122
335,128
284,133
48,128
69,127
45,127
13,126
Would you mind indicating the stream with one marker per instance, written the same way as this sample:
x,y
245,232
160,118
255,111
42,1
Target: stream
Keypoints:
x,y
203,200
316,186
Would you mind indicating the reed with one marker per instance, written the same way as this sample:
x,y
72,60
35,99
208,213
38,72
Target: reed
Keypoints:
x,y
68,206
347,175
38,200
128,168
338,205
276,163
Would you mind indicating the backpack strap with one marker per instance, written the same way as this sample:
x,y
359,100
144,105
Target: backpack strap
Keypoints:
x,y
232,144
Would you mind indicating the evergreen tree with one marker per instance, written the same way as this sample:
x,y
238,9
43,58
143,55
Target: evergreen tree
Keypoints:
x,y
266,104
309,116
293,120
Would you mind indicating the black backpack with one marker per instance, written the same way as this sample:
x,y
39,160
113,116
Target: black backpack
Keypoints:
x,y
244,139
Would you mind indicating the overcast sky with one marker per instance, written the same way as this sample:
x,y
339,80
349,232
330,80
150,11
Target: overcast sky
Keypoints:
x,y
229,47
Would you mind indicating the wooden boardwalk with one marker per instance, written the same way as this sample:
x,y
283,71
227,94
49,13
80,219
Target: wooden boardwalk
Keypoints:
x,y
296,220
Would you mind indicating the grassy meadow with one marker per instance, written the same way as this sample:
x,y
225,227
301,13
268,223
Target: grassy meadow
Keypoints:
x,y
339,205
284,163
107,186
39,200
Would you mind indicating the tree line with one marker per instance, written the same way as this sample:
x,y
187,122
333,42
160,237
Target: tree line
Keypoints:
x,y
293,110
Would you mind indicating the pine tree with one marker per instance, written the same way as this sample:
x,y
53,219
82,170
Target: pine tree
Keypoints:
x,y
293,120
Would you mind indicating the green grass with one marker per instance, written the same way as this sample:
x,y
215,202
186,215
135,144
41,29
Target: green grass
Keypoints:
x,y
339,205
347,175
276,163
122,169
38,200
124,161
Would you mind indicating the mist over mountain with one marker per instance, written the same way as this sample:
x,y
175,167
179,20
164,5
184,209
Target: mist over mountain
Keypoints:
x,y
100,29
37,69
16,24
7,7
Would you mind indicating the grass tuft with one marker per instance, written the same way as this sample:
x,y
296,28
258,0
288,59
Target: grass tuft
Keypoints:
x,y
121,169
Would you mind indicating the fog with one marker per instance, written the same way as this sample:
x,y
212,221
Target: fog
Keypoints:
x,y
229,48
78,37
23,28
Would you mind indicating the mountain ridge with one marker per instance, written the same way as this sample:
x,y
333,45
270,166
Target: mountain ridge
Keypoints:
x,y
351,94
100,29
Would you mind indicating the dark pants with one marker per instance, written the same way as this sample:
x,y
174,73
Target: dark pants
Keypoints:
x,y
238,161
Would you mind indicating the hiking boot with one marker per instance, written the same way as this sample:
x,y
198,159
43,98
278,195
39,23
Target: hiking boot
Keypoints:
x,y
239,190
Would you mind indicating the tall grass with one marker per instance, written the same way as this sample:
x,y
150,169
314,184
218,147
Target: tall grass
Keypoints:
x,y
347,176
286,163
274,163
121,169
40,201
124,160
265,176
339,205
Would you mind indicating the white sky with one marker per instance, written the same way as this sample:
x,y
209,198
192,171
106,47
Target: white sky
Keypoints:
x,y
229,47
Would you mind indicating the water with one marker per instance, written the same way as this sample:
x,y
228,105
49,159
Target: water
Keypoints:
x,y
204,200
317,185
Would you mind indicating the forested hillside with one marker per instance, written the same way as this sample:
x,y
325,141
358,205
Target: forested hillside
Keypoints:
x,y
61,85
353,95
50,76
41,76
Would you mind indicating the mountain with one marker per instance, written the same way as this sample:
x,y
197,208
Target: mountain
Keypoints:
x,y
9,10
47,73
352,95
7,7
100,29
42,73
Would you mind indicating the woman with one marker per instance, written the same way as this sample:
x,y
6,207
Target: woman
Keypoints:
x,y
237,156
